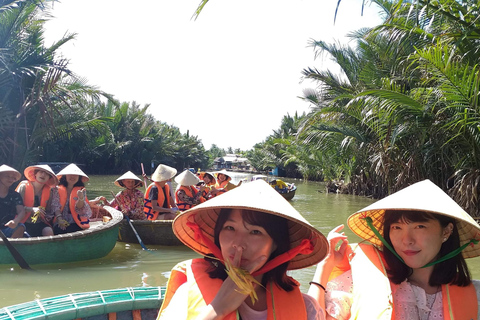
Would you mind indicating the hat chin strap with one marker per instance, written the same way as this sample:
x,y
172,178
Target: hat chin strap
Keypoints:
x,y
305,247
450,255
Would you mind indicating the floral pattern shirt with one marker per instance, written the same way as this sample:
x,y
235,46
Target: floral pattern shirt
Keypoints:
x,y
86,211
130,202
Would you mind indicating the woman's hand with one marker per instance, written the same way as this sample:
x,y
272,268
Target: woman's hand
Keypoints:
x,y
229,297
62,223
81,194
335,255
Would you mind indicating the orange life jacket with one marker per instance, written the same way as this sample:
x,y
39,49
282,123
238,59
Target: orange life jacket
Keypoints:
x,y
190,192
147,205
372,294
82,221
29,198
203,289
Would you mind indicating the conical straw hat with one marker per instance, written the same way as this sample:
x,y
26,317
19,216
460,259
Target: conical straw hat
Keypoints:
x,y
5,168
256,196
422,196
225,172
73,170
129,175
29,173
187,178
163,173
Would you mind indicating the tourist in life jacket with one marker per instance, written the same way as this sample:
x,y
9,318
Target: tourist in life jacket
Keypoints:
x,y
12,210
37,192
256,235
187,193
224,181
159,203
209,182
70,208
130,200
419,271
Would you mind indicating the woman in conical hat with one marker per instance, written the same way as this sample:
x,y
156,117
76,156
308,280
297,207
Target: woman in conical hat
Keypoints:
x,y
36,192
71,211
130,200
224,183
209,182
188,194
12,211
423,238
159,201
256,235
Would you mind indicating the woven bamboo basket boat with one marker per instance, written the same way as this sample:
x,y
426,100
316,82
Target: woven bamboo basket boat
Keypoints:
x,y
154,232
92,243
125,304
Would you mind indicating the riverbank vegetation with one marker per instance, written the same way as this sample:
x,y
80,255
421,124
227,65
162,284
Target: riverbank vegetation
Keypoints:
x,y
404,108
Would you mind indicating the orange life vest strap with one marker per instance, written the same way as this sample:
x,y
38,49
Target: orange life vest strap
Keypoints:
x,y
29,198
147,204
281,304
190,192
82,221
459,302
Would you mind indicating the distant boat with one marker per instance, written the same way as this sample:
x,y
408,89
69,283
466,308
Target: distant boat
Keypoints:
x,y
154,232
290,192
92,243
126,304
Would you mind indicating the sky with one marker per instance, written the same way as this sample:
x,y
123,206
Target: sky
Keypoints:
x,y
228,77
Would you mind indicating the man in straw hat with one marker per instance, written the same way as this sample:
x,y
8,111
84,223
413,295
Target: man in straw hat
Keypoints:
x,y
424,237
187,193
12,211
37,192
159,203
256,235
130,200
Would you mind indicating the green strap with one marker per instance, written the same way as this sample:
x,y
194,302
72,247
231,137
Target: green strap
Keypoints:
x,y
369,222
451,254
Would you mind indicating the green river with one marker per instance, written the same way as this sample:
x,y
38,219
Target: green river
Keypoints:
x,y
128,265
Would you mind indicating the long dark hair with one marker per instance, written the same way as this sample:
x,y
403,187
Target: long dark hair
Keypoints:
x,y
276,227
453,271
63,182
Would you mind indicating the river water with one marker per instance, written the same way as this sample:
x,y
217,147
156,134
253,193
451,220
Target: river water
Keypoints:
x,y
128,265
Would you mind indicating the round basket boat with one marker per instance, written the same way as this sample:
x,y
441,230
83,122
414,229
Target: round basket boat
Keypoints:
x,y
92,243
125,304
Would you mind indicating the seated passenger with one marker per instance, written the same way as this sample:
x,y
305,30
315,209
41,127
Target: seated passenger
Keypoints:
x,y
130,200
36,192
187,193
159,203
70,208
12,211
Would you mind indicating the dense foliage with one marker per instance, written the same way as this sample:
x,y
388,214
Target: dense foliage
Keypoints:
x,y
405,108
48,113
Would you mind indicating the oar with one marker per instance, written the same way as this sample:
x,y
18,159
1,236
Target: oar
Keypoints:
x,y
16,255
131,224
144,179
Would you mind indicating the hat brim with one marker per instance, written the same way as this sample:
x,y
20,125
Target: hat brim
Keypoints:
x,y
262,198
29,173
422,196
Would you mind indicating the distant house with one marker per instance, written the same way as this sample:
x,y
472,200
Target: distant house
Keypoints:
x,y
232,161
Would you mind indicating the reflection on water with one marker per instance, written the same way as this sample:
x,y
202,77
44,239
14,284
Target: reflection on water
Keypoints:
x,y
129,265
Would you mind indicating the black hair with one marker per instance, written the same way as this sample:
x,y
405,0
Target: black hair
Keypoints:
x,y
276,227
63,182
454,271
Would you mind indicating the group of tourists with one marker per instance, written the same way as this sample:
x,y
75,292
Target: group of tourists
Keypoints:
x,y
45,203
160,201
409,265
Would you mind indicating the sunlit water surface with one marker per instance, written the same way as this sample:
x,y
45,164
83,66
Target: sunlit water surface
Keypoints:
x,y
129,265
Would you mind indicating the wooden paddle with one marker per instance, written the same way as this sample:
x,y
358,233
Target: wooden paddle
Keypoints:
x,y
16,255
130,223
